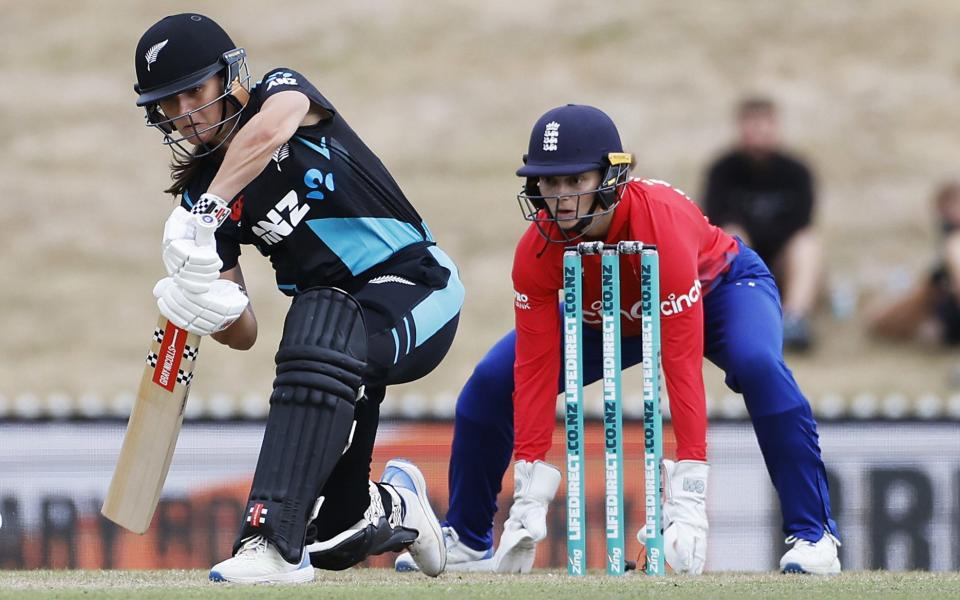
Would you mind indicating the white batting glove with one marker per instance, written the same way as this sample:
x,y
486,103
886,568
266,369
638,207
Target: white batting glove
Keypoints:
x,y
685,515
202,314
193,263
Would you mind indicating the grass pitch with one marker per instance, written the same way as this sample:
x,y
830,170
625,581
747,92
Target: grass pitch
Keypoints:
x,y
546,585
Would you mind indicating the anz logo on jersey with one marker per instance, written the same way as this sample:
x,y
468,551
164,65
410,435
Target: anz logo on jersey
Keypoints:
x,y
280,78
275,227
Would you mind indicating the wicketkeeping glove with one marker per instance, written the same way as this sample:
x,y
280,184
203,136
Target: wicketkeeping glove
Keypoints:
x,y
193,265
685,515
535,485
203,314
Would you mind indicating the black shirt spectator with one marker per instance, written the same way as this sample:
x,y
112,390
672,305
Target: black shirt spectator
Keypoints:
x,y
771,198
761,193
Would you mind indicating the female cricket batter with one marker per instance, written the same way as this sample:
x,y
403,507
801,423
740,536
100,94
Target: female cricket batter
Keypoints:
x,y
717,300
375,301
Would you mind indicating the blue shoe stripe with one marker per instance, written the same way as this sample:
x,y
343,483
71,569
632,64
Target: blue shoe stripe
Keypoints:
x,y
398,477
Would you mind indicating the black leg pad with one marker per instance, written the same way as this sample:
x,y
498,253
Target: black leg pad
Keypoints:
x,y
319,364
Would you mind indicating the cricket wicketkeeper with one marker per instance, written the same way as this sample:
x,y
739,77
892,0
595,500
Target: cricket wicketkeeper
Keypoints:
x,y
718,301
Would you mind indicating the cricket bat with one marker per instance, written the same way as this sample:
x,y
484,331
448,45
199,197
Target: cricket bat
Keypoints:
x,y
157,414
153,428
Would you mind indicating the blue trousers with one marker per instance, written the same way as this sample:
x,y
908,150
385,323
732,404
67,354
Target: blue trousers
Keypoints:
x,y
743,337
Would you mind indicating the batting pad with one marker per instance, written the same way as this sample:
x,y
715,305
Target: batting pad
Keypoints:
x,y
319,364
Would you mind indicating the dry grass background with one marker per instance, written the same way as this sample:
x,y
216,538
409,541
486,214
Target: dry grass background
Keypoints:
x,y
445,92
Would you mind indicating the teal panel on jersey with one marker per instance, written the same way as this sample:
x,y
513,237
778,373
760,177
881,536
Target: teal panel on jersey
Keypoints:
x,y
396,340
363,242
440,306
323,150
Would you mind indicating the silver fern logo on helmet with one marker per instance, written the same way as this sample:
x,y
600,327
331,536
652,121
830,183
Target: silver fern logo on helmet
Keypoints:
x,y
152,53
551,135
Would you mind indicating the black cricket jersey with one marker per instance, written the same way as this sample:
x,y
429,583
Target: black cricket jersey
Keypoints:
x,y
324,210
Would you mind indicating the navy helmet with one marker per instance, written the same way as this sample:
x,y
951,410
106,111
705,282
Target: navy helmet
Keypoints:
x,y
569,140
178,53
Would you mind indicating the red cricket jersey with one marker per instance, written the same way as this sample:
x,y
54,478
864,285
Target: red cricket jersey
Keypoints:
x,y
693,255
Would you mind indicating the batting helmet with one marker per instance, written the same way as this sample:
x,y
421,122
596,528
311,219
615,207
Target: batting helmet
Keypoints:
x,y
178,53
569,140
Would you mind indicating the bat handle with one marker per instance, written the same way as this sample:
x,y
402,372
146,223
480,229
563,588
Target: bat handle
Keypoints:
x,y
206,226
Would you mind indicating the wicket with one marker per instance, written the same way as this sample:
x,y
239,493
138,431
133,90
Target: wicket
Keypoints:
x,y
612,404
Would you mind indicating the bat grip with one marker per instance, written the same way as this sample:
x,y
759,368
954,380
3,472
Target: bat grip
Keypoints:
x,y
206,226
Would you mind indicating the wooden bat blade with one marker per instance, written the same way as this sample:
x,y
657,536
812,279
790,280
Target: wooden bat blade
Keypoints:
x,y
153,428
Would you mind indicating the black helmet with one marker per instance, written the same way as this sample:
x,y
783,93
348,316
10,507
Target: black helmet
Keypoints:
x,y
569,140
178,53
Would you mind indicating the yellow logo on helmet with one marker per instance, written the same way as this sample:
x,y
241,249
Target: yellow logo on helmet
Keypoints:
x,y
619,158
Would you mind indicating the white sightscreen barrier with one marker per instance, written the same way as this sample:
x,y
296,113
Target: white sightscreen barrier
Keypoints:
x,y
895,488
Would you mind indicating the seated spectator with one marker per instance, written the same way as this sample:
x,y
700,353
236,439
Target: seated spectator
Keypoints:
x,y
929,311
766,196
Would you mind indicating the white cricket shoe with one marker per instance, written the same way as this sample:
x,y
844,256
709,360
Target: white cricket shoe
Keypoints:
x,y
258,561
460,557
427,551
817,558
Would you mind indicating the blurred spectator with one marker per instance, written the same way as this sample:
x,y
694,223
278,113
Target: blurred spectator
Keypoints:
x,y
929,311
766,196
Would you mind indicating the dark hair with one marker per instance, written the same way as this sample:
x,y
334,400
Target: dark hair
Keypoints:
x,y
756,105
183,170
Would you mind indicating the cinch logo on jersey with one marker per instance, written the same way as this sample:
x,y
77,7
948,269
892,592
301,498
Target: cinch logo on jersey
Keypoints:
x,y
673,305
677,304
280,79
521,301
551,136
277,228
